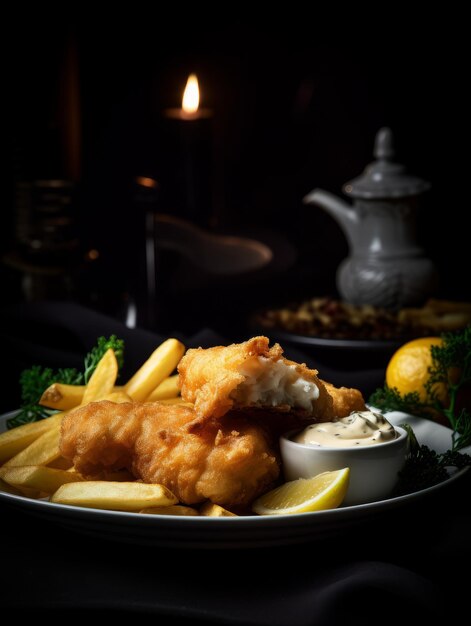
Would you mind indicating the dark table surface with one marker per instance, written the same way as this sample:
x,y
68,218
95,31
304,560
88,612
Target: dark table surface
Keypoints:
x,y
404,564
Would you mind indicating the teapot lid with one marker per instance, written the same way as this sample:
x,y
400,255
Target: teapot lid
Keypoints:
x,y
383,178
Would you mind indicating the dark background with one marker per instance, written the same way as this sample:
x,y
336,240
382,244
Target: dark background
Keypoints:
x,y
290,113
83,101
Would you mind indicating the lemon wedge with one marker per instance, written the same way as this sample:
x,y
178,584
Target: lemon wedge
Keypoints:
x,y
324,491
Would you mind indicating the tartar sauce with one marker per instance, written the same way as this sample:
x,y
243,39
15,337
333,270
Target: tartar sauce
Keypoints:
x,y
361,428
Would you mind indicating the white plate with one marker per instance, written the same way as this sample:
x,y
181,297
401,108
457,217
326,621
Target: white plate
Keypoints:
x,y
232,532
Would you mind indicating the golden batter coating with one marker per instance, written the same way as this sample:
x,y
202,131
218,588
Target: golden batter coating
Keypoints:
x,y
251,375
345,400
229,462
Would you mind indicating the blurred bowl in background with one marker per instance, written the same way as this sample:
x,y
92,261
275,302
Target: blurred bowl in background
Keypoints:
x,y
343,354
348,336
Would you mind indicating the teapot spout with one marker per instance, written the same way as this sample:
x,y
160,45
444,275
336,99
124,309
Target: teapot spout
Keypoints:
x,y
340,210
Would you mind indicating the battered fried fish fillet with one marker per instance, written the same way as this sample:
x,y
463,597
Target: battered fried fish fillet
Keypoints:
x,y
229,462
251,375
345,400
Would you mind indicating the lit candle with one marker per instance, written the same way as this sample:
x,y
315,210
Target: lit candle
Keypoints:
x,y
195,158
190,109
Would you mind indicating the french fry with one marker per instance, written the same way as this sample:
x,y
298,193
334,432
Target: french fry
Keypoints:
x,y
21,491
103,378
38,477
168,388
120,476
208,509
14,441
118,396
63,397
114,495
158,366
42,451
9,489
172,509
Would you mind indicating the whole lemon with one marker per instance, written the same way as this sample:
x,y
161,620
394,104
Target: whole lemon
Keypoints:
x,y
407,370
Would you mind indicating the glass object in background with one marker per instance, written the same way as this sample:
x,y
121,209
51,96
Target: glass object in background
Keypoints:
x,y
46,241
142,309
45,225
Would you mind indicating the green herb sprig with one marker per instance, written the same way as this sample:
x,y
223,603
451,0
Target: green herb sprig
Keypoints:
x,y
35,380
451,366
389,399
425,467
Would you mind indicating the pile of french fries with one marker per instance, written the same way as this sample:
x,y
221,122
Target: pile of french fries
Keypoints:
x,y
31,464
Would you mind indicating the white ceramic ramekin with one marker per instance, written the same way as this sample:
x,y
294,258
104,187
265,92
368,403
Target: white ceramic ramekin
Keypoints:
x,y
373,469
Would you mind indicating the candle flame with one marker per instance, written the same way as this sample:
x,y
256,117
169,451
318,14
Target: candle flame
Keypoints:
x,y
191,95
145,181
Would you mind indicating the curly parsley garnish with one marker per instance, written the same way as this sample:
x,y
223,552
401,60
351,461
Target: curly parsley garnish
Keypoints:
x,y
37,379
425,467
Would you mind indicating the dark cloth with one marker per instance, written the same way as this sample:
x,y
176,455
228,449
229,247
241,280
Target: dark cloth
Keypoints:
x,y
406,565
401,565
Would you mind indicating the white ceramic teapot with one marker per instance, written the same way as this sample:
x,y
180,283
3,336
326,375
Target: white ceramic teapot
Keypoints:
x,y
386,266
